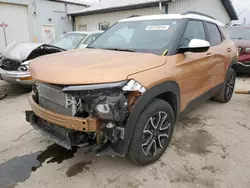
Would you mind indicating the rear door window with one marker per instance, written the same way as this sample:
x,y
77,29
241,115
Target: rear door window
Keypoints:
x,y
214,34
194,30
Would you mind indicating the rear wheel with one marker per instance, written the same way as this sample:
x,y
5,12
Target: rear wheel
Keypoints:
x,y
227,91
153,132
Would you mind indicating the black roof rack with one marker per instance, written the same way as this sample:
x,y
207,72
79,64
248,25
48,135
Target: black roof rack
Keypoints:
x,y
198,13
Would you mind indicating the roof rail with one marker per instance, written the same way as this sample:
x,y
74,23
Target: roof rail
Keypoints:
x,y
133,16
198,13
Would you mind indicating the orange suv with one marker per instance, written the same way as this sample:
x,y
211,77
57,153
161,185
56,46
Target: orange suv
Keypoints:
x,y
123,94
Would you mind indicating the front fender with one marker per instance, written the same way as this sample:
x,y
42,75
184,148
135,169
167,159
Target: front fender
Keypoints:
x,y
121,147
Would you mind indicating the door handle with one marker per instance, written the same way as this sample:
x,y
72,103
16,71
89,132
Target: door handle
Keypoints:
x,y
209,55
229,49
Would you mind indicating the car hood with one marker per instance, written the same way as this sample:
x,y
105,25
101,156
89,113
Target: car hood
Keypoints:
x,y
19,51
89,66
241,43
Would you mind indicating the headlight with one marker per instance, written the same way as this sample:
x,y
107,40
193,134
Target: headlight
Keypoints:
x,y
247,50
111,106
24,66
240,50
133,85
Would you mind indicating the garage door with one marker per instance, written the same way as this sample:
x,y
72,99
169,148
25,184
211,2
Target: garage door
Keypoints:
x,y
14,20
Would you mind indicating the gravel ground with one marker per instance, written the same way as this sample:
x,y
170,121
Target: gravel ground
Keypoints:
x,y
210,148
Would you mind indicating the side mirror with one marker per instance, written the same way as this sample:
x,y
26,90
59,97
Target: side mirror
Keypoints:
x,y
195,45
83,46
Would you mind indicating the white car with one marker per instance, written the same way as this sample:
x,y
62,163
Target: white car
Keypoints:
x,y
14,61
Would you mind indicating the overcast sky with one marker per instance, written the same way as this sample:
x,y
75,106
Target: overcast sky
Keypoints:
x,y
243,9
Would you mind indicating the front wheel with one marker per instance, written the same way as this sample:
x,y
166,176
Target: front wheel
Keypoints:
x,y
152,133
227,91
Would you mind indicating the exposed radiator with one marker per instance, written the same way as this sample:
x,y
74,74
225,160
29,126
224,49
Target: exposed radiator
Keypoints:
x,y
52,98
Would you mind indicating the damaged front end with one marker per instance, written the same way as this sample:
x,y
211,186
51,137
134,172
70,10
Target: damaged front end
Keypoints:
x,y
93,116
14,63
18,53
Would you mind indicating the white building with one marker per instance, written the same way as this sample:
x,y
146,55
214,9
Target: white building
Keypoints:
x,y
105,13
35,20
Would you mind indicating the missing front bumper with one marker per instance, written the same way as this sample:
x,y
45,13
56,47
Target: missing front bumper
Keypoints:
x,y
59,135
74,123
61,129
63,136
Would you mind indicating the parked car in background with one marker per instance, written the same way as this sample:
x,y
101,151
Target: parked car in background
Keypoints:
x,y
123,94
241,37
14,61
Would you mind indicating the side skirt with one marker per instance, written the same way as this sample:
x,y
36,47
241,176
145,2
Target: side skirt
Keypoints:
x,y
201,99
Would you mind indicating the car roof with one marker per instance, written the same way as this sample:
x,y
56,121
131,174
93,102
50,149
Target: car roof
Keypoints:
x,y
173,16
87,32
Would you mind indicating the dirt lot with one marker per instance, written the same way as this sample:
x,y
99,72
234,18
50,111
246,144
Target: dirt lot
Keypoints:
x,y
210,148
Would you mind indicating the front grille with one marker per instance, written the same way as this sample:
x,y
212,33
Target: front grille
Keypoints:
x,y
52,98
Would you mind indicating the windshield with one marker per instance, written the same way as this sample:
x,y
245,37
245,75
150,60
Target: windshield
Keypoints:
x,y
239,33
69,41
141,36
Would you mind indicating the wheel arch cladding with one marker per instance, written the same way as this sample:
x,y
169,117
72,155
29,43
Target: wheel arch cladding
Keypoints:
x,y
234,65
168,91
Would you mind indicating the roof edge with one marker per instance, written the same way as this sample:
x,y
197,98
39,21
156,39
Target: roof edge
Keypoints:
x,y
70,2
230,9
120,8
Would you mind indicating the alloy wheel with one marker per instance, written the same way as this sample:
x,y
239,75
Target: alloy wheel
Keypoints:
x,y
156,134
230,86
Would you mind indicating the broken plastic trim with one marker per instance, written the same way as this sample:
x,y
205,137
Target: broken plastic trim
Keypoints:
x,y
96,86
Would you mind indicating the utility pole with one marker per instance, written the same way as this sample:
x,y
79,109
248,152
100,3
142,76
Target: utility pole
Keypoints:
x,y
4,25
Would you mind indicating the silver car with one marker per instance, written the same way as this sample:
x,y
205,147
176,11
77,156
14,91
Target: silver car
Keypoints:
x,y
14,61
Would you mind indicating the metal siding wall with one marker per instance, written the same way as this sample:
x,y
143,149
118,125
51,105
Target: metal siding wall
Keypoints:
x,y
56,11
180,6
211,7
92,21
16,16
44,10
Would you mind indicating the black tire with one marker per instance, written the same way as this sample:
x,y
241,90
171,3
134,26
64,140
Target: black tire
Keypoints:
x,y
227,91
145,132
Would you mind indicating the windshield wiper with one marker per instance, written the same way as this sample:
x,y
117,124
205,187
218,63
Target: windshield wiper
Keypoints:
x,y
119,49
52,46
